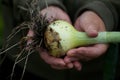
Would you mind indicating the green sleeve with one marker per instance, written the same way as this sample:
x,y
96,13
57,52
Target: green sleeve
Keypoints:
x,y
105,9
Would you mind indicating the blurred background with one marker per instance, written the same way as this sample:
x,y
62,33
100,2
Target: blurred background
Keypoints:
x,y
1,25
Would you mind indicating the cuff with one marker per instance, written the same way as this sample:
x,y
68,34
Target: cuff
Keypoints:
x,y
106,12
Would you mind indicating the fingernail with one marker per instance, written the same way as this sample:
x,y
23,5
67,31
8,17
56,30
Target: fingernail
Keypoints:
x,y
93,33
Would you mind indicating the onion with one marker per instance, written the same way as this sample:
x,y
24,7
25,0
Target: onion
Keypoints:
x,y
60,36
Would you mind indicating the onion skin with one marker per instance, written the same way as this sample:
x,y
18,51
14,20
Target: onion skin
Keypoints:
x,y
60,36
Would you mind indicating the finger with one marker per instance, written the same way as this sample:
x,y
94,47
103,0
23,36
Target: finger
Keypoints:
x,y
77,65
94,51
29,35
72,62
29,38
69,65
77,24
71,53
89,52
52,13
66,17
51,60
91,30
70,59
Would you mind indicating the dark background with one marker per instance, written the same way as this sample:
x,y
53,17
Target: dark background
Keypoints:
x,y
1,25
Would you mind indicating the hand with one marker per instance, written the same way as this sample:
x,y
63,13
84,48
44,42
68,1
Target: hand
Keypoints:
x,y
52,13
90,23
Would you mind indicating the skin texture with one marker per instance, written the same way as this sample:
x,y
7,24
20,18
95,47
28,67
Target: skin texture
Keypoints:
x,y
88,22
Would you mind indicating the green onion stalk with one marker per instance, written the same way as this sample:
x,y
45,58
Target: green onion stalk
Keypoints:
x,y
60,36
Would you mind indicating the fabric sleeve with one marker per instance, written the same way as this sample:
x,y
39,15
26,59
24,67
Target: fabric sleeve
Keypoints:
x,y
20,6
42,3
105,10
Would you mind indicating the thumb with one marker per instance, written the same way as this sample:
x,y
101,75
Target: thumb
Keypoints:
x,y
91,30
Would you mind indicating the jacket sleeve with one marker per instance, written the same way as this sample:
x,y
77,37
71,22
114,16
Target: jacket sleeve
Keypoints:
x,y
22,7
105,9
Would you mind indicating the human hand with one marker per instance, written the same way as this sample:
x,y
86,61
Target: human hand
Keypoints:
x,y
52,13
56,63
90,23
